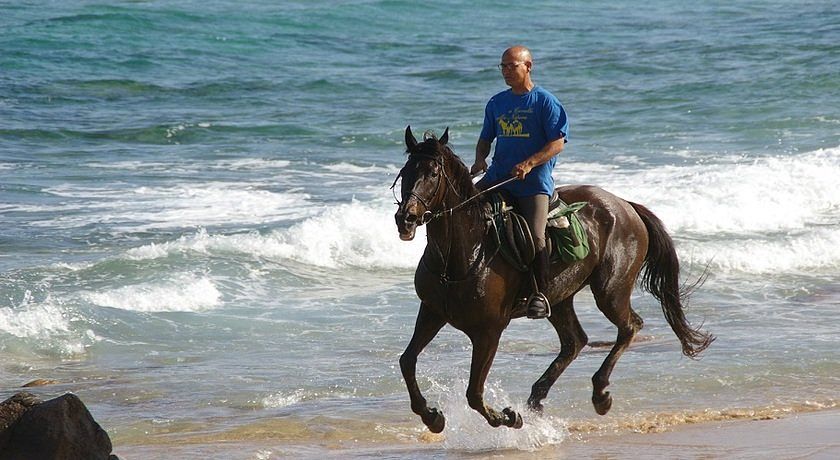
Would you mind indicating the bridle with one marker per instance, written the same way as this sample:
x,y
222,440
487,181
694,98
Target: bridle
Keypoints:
x,y
428,215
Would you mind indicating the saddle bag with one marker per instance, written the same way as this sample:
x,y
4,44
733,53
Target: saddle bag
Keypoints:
x,y
567,233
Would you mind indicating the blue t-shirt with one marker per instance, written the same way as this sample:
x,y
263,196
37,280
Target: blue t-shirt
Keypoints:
x,y
521,126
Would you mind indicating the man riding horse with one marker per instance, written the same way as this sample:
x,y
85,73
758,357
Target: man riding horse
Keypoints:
x,y
528,152
461,282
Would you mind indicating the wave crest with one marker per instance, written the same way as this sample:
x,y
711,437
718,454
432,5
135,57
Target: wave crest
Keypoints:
x,y
357,234
184,293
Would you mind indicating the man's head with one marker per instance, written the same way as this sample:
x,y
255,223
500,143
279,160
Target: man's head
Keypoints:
x,y
516,68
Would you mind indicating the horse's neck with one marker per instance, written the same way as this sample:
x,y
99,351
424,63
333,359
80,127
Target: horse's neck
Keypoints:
x,y
458,240
457,237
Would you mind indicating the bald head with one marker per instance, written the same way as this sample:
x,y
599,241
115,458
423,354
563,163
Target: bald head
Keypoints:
x,y
518,53
516,69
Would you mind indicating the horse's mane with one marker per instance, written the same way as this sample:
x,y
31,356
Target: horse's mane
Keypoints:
x,y
458,172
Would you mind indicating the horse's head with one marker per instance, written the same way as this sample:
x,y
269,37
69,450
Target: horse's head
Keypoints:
x,y
423,182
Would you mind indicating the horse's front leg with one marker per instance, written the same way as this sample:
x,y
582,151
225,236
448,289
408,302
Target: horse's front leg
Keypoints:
x,y
485,345
428,325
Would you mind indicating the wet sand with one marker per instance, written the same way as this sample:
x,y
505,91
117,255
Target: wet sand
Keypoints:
x,y
814,435
809,435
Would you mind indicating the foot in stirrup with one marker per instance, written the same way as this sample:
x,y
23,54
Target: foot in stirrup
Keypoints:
x,y
538,306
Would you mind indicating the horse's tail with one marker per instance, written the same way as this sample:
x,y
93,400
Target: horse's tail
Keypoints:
x,y
661,279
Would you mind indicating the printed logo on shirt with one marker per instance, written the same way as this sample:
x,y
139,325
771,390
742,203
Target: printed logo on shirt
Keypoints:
x,y
510,125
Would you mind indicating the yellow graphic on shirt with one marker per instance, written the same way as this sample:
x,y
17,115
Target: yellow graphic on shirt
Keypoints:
x,y
511,123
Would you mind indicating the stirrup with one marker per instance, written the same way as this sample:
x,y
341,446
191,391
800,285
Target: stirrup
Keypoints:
x,y
538,296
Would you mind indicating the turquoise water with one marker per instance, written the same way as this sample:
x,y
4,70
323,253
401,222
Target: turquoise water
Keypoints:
x,y
197,233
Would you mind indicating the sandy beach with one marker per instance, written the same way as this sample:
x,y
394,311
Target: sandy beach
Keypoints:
x,y
810,435
803,436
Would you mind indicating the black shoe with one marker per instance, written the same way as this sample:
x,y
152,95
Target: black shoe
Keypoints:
x,y
538,307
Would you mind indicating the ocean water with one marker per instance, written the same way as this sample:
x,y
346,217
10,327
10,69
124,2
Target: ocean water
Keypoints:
x,y
197,236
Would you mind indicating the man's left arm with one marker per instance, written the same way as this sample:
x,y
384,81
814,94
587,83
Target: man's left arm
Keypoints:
x,y
545,154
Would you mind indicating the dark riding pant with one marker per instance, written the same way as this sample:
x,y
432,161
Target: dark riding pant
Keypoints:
x,y
535,211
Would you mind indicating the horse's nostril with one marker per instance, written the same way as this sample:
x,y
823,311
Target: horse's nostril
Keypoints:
x,y
410,218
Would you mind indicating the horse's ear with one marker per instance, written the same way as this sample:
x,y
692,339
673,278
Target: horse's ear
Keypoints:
x,y
445,138
410,141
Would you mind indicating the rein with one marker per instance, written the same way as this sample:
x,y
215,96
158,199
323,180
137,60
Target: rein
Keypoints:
x,y
463,203
429,216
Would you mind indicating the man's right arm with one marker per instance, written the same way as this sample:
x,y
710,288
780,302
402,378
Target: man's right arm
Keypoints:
x,y
482,151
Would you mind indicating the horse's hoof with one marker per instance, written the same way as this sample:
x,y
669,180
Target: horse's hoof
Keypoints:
x,y
437,422
535,407
602,403
514,420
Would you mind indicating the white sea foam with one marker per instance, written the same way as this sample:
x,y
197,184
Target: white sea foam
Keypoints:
x,y
72,267
192,167
279,400
47,321
250,164
765,215
134,165
200,242
148,208
356,169
759,196
790,253
182,293
34,319
355,234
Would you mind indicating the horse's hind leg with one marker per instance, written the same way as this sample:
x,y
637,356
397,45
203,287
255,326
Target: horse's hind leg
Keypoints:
x,y
427,326
572,341
615,304
485,345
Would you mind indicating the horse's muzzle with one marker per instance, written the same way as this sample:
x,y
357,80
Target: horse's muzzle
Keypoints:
x,y
409,218
407,224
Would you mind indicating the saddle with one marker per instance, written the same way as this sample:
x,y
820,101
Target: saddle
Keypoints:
x,y
565,233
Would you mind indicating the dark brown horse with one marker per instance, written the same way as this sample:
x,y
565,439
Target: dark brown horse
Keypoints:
x,y
461,282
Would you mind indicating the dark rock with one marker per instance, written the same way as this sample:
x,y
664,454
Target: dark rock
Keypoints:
x,y
58,429
12,408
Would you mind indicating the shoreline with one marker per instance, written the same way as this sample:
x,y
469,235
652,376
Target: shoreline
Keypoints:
x,y
801,435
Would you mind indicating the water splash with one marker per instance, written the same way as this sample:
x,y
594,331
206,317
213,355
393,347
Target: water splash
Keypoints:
x,y
467,430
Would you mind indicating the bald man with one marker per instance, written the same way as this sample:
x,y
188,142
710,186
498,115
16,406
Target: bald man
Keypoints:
x,y
530,128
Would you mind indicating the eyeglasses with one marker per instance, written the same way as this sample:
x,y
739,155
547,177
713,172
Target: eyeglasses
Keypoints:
x,y
510,66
